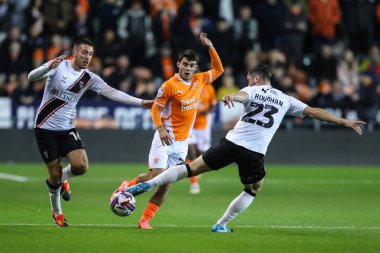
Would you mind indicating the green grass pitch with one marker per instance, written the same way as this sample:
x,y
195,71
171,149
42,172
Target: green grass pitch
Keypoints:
x,y
300,209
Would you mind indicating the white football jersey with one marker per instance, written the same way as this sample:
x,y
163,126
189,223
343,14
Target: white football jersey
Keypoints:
x,y
263,112
64,87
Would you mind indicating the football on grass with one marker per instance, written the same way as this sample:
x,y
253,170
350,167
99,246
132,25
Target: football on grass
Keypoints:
x,y
122,203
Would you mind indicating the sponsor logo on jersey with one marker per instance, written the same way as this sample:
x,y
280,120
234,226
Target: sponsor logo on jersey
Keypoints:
x,y
66,96
189,104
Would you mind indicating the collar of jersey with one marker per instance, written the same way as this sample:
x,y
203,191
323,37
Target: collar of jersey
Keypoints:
x,y
71,67
183,81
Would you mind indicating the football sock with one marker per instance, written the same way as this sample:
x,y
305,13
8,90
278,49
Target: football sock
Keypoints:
x,y
131,183
55,198
170,175
238,205
149,211
67,173
193,180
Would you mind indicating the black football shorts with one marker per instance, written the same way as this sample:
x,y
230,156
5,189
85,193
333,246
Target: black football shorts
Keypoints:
x,y
57,144
250,163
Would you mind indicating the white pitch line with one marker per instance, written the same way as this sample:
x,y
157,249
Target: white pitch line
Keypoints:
x,y
195,226
12,177
210,180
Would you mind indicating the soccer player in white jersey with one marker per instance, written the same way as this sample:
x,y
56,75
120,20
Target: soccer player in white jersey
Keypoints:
x,y
246,144
67,81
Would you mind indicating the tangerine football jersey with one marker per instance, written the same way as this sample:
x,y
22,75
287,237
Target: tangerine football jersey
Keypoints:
x,y
179,99
208,99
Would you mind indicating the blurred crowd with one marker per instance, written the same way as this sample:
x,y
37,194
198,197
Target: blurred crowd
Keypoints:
x,y
324,52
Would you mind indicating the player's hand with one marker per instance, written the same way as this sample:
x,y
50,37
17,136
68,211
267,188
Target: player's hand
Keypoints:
x,y
165,136
147,104
205,41
228,101
56,61
354,124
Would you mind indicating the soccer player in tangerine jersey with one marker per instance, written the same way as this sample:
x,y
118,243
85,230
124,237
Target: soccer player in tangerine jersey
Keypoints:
x,y
67,81
173,114
200,135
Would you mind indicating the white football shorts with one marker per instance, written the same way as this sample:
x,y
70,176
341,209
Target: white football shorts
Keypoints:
x,y
201,138
163,157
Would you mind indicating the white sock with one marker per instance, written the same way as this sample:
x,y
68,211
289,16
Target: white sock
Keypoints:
x,y
170,175
55,198
67,173
238,205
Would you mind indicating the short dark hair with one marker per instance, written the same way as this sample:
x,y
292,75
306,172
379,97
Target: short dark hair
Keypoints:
x,y
262,70
82,41
191,55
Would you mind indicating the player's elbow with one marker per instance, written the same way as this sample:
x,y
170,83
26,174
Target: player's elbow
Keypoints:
x,y
31,77
155,111
312,112
220,70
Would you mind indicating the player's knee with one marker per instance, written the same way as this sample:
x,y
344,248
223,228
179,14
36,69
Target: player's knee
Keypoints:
x,y
257,186
155,172
55,176
79,168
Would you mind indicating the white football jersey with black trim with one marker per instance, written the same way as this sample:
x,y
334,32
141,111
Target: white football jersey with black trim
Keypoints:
x,y
64,87
263,112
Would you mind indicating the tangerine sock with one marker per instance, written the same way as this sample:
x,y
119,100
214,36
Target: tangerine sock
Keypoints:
x,y
149,211
193,180
132,182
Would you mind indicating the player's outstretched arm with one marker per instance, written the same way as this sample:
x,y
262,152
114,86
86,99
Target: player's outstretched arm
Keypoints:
x,y
44,70
119,96
216,63
229,99
323,115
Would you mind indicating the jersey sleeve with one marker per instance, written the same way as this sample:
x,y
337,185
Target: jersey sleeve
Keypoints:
x,y
164,94
216,68
102,88
296,107
250,93
42,72
97,83
216,64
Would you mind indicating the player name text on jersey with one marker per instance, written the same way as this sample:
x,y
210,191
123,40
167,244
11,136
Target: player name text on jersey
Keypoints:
x,y
269,99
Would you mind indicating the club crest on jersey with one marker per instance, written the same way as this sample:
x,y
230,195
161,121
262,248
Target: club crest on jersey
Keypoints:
x,y
155,160
64,79
195,86
160,92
